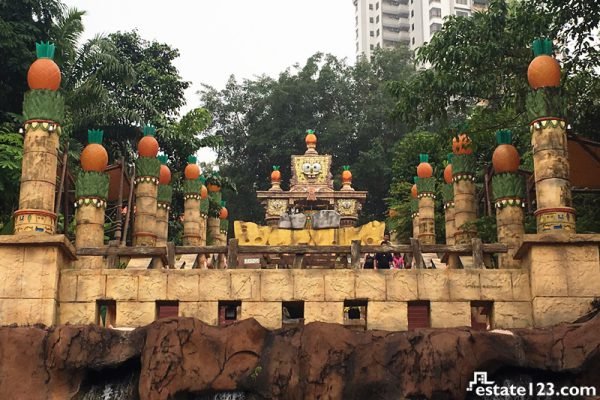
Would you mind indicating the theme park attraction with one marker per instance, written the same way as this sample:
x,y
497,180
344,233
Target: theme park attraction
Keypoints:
x,y
175,323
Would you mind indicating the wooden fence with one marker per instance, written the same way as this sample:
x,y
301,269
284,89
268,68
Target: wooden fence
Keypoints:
x,y
233,250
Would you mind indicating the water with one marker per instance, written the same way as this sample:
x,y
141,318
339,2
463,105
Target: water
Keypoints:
x,y
112,384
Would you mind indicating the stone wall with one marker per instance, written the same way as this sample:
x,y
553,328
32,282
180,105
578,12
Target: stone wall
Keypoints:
x,y
262,292
29,275
565,275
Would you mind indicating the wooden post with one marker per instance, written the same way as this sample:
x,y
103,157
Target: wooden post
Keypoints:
x,y
298,259
171,254
113,259
63,174
355,254
477,253
129,207
232,254
417,256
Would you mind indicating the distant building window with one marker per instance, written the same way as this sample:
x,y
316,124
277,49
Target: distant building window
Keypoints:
x,y
357,33
412,27
462,13
371,19
413,40
418,315
435,27
370,6
435,12
481,315
292,312
166,309
372,47
371,33
377,20
463,2
378,45
412,13
106,313
229,312
377,6
357,47
377,32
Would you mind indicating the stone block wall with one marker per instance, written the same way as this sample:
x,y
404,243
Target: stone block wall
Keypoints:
x,y
29,273
565,275
261,293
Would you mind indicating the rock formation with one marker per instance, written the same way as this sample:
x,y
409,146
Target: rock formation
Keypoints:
x,y
185,358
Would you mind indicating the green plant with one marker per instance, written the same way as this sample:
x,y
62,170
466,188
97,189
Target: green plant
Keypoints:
x,y
44,105
147,167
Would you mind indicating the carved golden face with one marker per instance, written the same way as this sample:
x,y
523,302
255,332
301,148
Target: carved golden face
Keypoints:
x,y
312,169
276,207
346,207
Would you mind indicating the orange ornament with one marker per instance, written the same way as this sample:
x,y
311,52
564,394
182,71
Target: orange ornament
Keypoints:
x,y
192,170
392,213
448,173
544,70
414,192
203,192
506,157
94,156
424,169
311,138
462,144
44,73
213,188
275,174
164,177
223,214
346,174
148,146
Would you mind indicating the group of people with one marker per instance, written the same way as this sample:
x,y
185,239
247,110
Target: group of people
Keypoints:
x,y
385,260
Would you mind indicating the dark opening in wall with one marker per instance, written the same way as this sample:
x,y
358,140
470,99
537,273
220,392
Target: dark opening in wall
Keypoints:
x,y
229,312
355,314
166,309
418,315
106,313
481,315
292,313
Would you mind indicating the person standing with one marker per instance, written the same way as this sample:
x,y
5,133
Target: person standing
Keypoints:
x,y
383,260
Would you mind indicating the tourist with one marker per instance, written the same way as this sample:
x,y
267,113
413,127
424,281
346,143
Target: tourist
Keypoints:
x,y
383,260
398,261
369,262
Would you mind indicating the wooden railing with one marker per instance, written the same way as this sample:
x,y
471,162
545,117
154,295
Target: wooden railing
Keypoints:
x,y
233,250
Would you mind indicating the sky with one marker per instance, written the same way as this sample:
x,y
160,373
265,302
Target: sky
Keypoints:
x,y
222,37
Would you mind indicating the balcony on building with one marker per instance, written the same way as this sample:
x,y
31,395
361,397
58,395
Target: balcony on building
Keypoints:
x,y
395,7
391,38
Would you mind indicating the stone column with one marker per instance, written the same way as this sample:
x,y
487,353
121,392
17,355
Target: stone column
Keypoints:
x,y
147,172
426,196
91,194
164,198
43,110
465,203
546,111
192,235
508,190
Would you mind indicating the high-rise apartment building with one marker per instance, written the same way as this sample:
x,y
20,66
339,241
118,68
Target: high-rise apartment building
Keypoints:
x,y
386,23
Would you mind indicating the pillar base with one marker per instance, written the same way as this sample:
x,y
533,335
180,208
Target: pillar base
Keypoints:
x,y
34,221
347,222
30,265
553,219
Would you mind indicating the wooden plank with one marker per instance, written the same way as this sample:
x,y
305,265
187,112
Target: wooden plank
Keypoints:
x,y
556,239
112,259
186,261
477,253
416,250
436,248
170,255
232,254
355,251
139,263
139,251
298,259
206,250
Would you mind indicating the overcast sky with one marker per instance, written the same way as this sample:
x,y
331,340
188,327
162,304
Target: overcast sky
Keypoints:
x,y
222,37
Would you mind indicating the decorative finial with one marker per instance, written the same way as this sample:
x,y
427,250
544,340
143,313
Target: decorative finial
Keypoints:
x,y
45,50
95,136
504,136
149,130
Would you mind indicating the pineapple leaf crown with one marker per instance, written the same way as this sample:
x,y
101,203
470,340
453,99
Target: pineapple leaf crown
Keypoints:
x,y
415,179
223,203
163,159
149,130
45,50
310,131
346,167
424,158
275,167
202,179
504,136
192,160
450,157
95,136
542,46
